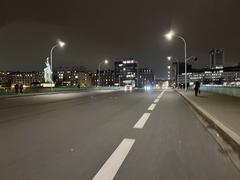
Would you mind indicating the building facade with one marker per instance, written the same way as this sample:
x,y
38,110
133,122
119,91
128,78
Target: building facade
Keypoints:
x,y
5,80
27,79
226,76
72,76
175,70
126,71
145,77
106,78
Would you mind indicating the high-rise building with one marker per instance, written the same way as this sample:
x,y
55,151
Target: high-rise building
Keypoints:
x,y
216,58
126,71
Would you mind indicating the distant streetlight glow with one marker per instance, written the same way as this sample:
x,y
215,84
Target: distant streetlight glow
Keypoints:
x,y
169,37
61,43
169,58
169,67
106,61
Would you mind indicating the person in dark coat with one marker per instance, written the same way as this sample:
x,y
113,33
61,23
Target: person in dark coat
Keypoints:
x,y
21,88
197,88
16,88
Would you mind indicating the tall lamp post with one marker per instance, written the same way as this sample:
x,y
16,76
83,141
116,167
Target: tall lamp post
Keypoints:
x,y
169,37
169,58
59,44
99,69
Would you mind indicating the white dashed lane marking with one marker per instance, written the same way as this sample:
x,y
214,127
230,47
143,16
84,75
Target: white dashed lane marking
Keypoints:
x,y
151,107
114,162
141,122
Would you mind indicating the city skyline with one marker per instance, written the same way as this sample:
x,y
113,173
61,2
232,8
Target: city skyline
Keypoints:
x,y
110,30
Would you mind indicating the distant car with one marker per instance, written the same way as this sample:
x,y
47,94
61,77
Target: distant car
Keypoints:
x,y
128,88
148,87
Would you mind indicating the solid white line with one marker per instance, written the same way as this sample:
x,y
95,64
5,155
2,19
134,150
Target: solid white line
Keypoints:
x,y
156,100
114,162
141,122
151,107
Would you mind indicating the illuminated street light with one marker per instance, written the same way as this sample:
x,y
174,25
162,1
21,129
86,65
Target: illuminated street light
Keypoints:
x,y
169,58
59,44
169,37
106,61
169,67
99,69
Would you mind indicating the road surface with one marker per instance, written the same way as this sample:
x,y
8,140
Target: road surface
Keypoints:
x,y
116,135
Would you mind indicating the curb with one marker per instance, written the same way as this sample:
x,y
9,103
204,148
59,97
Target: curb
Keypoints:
x,y
231,136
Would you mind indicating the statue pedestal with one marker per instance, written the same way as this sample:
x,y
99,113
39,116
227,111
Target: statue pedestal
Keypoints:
x,y
47,85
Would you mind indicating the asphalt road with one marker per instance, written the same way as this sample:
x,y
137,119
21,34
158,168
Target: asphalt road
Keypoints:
x,y
122,135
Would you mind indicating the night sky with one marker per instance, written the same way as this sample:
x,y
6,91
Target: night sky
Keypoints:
x,y
95,30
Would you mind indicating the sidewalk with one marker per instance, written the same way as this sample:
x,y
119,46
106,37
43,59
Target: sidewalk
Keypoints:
x,y
222,110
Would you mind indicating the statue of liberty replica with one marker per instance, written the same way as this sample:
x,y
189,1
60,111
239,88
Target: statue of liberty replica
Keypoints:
x,y
48,73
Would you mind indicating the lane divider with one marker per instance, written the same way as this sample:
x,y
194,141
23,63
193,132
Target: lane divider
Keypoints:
x,y
151,107
114,162
161,94
141,122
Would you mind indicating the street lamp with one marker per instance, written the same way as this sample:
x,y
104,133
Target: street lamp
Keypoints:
x,y
59,44
99,69
169,37
169,58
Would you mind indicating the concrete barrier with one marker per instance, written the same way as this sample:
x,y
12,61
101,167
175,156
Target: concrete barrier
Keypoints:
x,y
230,91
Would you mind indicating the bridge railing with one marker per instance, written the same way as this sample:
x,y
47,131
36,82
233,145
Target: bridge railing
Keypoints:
x,y
227,90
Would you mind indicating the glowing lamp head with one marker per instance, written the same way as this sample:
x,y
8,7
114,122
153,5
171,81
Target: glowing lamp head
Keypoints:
x,y
61,43
105,61
170,35
169,58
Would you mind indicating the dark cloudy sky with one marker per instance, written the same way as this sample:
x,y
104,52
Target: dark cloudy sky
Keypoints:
x,y
99,29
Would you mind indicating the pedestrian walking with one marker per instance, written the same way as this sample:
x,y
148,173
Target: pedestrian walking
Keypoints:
x,y
16,88
197,88
21,88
